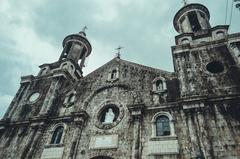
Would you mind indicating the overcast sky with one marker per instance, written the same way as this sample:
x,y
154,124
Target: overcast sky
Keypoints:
x,y
31,33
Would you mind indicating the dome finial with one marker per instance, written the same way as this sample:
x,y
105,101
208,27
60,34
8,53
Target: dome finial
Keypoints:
x,y
84,28
185,2
83,32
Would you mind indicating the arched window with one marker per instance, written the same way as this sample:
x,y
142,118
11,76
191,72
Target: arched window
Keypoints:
x,y
114,74
194,21
57,135
162,126
68,47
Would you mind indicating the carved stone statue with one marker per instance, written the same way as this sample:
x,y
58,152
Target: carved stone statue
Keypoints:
x,y
160,86
109,116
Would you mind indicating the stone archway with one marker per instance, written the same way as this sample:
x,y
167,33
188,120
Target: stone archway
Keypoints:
x,y
102,157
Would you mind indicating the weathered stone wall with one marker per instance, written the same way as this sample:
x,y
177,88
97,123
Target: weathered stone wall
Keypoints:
x,y
21,108
210,128
202,106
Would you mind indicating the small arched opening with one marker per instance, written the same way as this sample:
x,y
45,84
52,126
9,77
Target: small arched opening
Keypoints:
x,y
57,135
114,74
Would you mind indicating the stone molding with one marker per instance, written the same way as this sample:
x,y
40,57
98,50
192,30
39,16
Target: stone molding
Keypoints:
x,y
37,119
136,109
100,89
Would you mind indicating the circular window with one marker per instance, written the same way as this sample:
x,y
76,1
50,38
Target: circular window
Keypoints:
x,y
215,67
109,114
34,97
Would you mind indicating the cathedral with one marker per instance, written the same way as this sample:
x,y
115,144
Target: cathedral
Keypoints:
x,y
125,110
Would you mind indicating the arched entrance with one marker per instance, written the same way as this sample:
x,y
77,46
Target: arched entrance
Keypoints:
x,y
102,157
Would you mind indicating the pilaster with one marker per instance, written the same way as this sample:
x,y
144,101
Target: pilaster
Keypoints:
x,y
79,122
32,140
37,136
51,95
136,115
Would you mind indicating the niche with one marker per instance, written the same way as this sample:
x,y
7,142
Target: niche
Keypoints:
x,y
215,67
193,19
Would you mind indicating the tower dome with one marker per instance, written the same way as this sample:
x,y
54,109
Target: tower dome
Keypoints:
x,y
192,18
76,47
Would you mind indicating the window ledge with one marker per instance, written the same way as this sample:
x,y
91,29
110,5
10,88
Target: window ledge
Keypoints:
x,y
159,91
112,79
160,138
53,145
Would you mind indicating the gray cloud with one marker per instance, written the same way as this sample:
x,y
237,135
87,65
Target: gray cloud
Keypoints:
x,y
31,34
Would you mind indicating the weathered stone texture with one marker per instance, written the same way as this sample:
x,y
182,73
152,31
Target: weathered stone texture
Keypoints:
x,y
200,101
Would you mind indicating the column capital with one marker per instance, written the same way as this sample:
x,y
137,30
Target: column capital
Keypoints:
x,y
136,110
80,117
37,125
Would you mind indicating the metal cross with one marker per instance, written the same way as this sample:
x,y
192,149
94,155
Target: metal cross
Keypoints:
x,y
84,28
119,49
185,2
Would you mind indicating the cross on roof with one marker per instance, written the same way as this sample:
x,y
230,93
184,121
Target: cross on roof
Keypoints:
x,y
185,2
84,28
119,49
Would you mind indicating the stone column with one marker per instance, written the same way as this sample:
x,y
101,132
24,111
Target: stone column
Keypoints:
x,y
36,138
195,129
79,122
186,144
50,96
136,137
203,133
29,141
191,133
136,115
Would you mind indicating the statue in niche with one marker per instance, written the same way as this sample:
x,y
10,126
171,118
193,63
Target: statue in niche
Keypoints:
x,y
109,116
160,87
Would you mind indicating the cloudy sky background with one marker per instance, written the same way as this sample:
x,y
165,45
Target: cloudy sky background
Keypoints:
x,y
31,33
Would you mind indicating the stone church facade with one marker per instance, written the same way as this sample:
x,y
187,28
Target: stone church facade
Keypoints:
x,y
125,110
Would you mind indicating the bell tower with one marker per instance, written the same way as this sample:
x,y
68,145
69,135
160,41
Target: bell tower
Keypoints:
x,y
76,47
192,18
202,57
